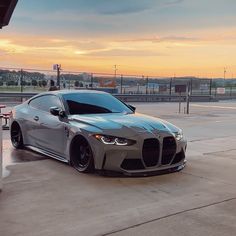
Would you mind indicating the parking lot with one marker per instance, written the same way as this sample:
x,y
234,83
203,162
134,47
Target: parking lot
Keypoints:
x,y
42,196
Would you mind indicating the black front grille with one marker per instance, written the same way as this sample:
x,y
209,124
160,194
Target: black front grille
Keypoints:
x,y
168,150
151,152
132,164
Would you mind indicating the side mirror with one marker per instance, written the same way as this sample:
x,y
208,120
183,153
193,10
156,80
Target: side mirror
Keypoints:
x,y
131,107
56,111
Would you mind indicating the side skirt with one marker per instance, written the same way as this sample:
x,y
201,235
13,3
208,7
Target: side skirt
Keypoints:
x,y
46,153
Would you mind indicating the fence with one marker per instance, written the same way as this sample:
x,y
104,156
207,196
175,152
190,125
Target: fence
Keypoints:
x,y
34,81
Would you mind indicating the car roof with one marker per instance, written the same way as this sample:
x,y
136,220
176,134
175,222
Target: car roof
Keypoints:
x,y
64,92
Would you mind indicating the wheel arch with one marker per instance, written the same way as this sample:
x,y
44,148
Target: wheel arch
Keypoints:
x,y
75,140
74,150
14,124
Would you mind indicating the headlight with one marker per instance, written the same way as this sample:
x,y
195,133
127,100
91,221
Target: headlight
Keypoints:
x,y
179,135
111,140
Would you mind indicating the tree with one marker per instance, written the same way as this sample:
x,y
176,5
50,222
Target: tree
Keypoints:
x,y
44,83
11,83
23,83
34,82
76,83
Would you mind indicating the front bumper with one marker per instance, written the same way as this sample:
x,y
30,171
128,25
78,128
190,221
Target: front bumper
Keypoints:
x,y
128,160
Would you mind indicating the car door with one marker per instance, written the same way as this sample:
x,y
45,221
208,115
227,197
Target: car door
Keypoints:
x,y
48,131
31,124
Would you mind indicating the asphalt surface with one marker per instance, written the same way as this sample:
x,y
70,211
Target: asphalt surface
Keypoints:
x,y
42,196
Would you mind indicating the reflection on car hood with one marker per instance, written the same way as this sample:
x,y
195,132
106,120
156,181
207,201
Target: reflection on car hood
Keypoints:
x,y
117,123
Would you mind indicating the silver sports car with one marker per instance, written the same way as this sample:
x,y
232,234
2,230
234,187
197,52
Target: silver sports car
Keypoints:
x,y
93,130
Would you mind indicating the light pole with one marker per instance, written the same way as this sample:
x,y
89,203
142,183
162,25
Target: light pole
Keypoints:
x,y
91,81
115,72
147,85
210,92
58,76
121,84
224,75
57,67
170,91
21,80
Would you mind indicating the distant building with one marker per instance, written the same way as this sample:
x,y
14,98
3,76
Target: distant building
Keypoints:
x,y
6,10
153,85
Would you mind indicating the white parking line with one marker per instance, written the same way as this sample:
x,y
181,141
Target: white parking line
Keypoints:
x,y
212,106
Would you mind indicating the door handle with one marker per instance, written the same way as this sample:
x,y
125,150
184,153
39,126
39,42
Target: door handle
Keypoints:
x,y
36,118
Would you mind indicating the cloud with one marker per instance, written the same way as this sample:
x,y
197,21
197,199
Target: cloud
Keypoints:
x,y
123,10
68,49
114,7
57,43
88,7
102,17
173,2
8,47
125,53
211,38
176,39
3,52
85,18
158,39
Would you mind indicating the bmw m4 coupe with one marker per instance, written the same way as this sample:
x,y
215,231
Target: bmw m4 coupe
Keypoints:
x,y
93,130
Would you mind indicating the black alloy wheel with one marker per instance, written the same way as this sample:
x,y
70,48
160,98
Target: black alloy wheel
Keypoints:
x,y
82,157
16,137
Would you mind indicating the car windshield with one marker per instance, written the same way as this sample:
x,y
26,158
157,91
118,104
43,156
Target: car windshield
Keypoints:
x,y
94,103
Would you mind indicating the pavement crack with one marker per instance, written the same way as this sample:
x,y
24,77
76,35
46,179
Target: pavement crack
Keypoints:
x,y
223,151
209,139
201,177
170,215
209,179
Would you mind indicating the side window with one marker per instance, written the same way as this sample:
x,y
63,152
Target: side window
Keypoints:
x,y
49,101
45,102
35,103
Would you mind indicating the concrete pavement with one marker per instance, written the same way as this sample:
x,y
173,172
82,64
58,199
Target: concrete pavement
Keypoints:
x,y
45,197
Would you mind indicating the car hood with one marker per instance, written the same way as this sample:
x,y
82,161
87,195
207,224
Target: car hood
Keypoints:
x,y
125,125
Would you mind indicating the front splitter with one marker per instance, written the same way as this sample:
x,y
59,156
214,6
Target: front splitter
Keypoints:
x,y
143,173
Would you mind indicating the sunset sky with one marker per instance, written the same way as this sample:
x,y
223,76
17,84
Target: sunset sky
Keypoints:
x,y
149,37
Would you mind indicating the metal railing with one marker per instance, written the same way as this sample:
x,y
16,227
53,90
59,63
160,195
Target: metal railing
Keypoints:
x,y
17,98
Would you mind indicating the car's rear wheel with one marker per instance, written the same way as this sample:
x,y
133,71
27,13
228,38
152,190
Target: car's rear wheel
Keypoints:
x,y
82,156
16,136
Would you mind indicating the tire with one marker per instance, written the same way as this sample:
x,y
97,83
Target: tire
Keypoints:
x,y
16,136
82,156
